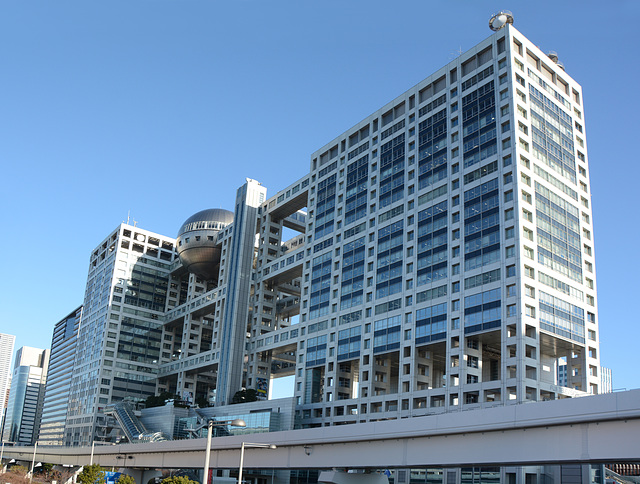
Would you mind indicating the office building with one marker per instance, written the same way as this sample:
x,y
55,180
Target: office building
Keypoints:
x,y
6,352
447,256
26,395
437,256
118,342
59,374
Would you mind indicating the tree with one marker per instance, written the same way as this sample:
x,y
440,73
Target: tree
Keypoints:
x,y
93,474
178,480
46,469
244,396
19,470
125,479
16,475
60,476
158,401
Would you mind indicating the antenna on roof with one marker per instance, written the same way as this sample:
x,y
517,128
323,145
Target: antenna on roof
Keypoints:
x,y
500,19
135,223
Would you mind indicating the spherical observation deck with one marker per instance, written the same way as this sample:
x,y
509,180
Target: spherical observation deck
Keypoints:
x,y
196,241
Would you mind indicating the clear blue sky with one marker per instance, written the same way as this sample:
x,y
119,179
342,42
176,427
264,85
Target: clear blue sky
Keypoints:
x,y
162,108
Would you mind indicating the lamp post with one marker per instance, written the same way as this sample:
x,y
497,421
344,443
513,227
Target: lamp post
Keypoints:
x,y
210,424
249,444
2,453
93,443
33,462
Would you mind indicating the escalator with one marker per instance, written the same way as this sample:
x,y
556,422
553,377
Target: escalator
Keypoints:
x,y
131,426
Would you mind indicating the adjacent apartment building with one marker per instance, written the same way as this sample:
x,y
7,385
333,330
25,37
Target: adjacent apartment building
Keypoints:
x,y
438,255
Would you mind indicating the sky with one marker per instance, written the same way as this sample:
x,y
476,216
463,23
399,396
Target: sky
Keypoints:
x,y
157,109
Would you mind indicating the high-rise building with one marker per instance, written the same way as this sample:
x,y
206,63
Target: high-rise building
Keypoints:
x,y
6,352
26,395
437,256
119,340
130,289
59,374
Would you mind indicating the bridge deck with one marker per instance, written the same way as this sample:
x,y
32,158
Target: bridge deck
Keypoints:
x,y
589,429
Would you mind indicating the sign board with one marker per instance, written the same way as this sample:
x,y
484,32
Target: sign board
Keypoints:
x,y
112,477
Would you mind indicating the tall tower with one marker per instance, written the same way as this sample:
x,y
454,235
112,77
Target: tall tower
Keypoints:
x,y
448,256
205,327
59,375
26,396
6,352
119,337
239,283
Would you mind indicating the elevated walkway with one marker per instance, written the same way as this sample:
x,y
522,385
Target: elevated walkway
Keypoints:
x,y
595,429
198,306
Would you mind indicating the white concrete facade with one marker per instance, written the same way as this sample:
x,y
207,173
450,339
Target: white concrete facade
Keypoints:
x,y
119,339
437,257
502,310
588,430
6,353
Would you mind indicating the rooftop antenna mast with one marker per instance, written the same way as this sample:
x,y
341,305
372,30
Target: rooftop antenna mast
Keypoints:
x,y
135,223
456,53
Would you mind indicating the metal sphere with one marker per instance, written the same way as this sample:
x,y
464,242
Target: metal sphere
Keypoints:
x,y
500,19
197,242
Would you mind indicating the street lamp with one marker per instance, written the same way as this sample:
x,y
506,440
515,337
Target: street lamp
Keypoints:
x,y
210,424
249,444
2,453
93,443
33,462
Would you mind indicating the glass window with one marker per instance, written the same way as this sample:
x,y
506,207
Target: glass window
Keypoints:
x,y
528,252
509,233
530,311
